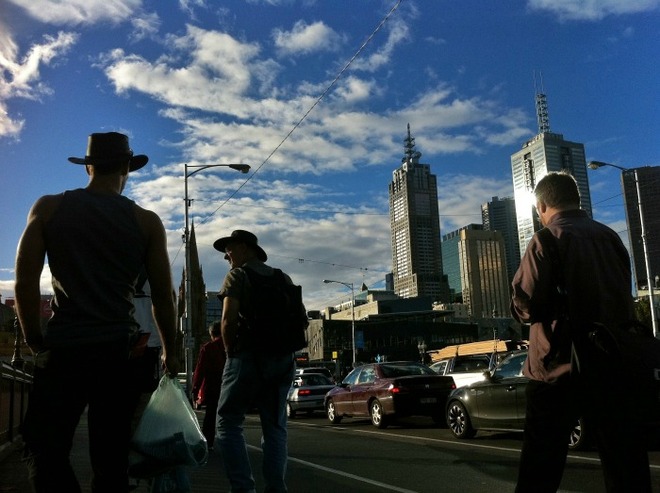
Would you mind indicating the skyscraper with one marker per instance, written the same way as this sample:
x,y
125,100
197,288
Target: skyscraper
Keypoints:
x,y
649,191
500,215
476,266
544,153
415,228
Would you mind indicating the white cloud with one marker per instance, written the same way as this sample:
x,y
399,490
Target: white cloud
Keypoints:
x,y
73,12
20,77
593,10
461,196
305,38
398,32
145,26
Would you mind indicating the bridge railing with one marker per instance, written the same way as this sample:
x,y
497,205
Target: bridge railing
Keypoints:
x,y
15,385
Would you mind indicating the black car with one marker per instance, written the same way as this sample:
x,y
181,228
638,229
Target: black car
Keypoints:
x,y
497,403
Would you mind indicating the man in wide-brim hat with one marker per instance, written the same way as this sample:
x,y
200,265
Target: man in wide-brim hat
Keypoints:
x,y
256,372
97,242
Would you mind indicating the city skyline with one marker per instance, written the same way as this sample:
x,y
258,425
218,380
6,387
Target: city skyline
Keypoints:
x,y
316,96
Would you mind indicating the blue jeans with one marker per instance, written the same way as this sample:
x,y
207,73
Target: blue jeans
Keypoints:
x,y
253,379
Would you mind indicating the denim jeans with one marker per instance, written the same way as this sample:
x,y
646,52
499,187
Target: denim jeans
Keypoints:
x,y
254,379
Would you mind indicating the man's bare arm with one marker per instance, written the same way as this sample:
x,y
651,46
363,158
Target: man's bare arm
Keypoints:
x,y
160,281
30,256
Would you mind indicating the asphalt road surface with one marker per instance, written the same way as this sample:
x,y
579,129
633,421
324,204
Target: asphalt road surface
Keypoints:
x,y
355,457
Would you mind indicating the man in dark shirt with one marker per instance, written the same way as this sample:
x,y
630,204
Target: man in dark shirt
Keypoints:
x,y
253,375
97,242
595,271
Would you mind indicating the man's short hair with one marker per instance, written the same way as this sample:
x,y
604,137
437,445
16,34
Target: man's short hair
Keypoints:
x,y
215,329
558,190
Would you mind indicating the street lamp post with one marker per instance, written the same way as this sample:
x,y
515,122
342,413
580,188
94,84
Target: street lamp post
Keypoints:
x,y
649,284
188,337
421,346
349,285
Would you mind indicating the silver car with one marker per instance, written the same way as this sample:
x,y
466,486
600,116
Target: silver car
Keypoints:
x,y
307,393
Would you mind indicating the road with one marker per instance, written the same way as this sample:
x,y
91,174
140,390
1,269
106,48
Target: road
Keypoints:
x,y
355,457
416,457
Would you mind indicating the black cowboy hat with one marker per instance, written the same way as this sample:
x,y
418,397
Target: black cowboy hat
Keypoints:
x,y
104,148
241,236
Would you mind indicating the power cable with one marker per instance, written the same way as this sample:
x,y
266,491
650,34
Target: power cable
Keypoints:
x,y
311,108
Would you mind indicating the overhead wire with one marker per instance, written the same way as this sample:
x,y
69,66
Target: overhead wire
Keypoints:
x,y
311,108
305,115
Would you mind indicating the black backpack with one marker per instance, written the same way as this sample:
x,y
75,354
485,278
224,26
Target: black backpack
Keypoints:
x,y
275,319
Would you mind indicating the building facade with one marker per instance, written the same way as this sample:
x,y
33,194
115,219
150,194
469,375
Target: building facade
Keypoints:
x,y
544,153
415,229
649,191
476,260
500,215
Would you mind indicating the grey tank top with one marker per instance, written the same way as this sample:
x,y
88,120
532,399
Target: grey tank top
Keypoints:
x,y
95,250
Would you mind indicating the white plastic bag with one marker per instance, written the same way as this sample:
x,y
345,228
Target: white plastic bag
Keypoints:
x,y
168,429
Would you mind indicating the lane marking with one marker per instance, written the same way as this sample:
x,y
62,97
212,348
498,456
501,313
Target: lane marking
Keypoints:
x,y
595,460
343,474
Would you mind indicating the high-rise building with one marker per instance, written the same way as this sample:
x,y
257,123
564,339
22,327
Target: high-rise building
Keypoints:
x,y
476,268
544,153
415,229
649,191
451,264
500,215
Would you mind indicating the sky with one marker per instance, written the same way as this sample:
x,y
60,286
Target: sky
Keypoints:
x,y
316,96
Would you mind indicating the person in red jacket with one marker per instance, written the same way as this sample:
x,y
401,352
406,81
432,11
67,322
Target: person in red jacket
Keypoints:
x,y
207,380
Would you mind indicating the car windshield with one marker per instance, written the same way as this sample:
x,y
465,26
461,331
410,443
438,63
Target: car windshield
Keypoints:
x,y
315,380
511,367
392,370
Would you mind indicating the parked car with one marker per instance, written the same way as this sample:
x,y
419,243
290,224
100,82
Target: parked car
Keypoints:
x,y
465,369
498,403
307,393
386,391
315,369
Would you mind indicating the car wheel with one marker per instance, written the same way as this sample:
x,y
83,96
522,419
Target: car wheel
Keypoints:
x,y
458,421
378,418
332,413
290,412
578,437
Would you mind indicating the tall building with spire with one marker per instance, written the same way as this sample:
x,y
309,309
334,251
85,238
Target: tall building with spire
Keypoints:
x,y
544,153
415,229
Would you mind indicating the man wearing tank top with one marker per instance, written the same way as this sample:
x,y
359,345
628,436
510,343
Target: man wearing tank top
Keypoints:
x,y
96,241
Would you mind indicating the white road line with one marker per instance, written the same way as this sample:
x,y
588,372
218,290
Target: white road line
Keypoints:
x,y
459,443
344,474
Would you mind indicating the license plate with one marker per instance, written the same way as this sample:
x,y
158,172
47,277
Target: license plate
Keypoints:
x,y
428,400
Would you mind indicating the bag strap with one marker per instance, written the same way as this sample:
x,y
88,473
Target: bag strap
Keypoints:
x,y
550,246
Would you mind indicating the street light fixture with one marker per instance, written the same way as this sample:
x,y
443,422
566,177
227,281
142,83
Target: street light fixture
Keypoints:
x,y
649,283
188,338
349,285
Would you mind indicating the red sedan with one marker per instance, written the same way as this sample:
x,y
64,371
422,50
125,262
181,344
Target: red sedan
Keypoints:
x,y
385,391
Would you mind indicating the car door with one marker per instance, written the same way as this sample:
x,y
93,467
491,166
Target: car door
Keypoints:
x,y
362,391
344,395
500,399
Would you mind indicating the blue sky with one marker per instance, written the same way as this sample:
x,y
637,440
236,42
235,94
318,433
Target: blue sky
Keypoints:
x,y
316,96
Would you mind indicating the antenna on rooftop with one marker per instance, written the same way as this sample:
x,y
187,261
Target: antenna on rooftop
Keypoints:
x,y
542,118
410,154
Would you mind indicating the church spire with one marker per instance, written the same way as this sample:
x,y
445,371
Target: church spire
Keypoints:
x,y
410,155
